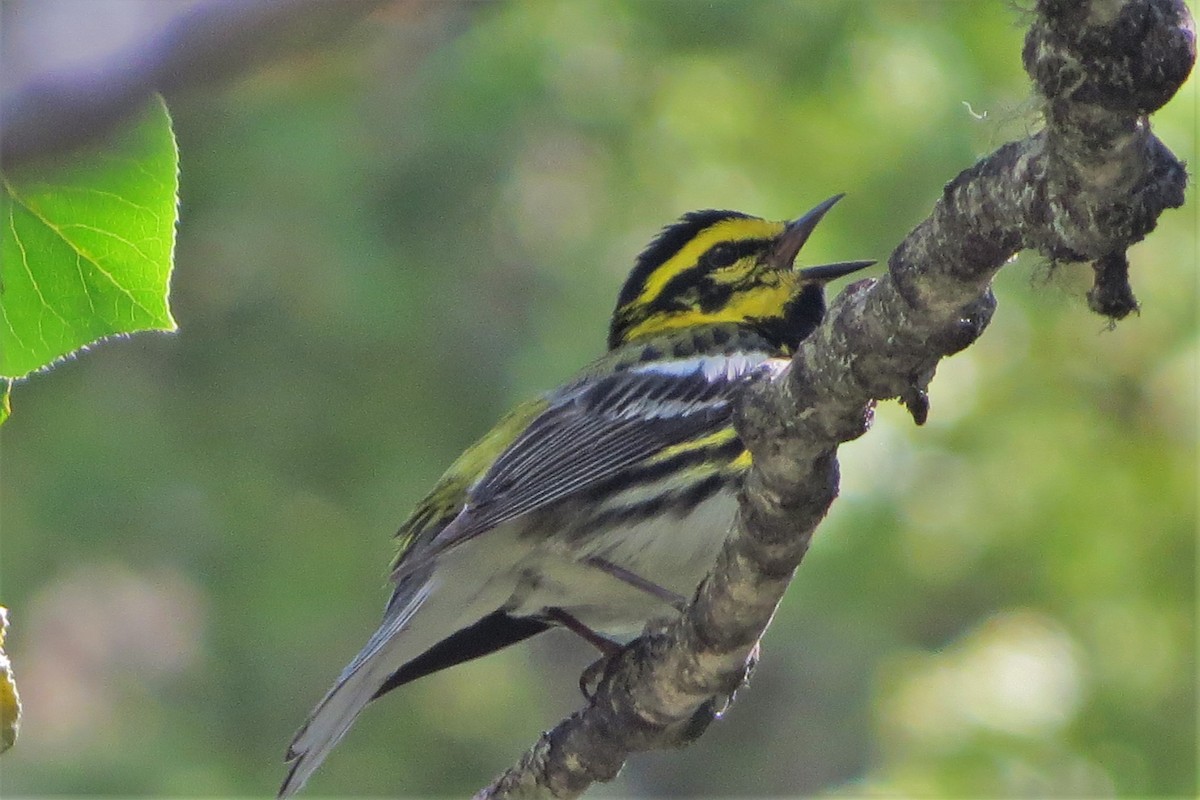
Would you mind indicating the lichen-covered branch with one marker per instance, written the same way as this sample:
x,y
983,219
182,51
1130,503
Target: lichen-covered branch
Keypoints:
x,y
1089,185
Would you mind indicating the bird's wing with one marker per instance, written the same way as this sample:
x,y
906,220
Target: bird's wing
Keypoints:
x,y
594,429
439,508
544,451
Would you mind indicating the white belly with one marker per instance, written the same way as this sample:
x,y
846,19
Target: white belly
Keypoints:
x,y
671,552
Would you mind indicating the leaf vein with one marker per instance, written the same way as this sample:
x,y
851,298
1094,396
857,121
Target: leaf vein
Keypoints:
x,y
113,195
87,292
37,289
80,251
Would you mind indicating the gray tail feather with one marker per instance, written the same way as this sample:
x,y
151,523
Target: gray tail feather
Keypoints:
x,y
427,607
356,686
327,725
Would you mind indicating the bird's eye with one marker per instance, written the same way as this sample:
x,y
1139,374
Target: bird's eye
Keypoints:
x,y
721,255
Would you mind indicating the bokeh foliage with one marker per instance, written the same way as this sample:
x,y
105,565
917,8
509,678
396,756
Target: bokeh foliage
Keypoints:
x,y
386,244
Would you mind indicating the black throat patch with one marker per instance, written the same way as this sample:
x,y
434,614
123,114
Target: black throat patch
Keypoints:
x,y
801,316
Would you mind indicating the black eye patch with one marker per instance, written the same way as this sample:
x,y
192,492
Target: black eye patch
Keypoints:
x,y
720,255
724,254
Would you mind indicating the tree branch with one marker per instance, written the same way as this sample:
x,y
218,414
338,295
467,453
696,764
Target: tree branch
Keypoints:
x,y
1085,188
200,44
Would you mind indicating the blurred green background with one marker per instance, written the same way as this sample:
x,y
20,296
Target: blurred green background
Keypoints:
x,y
388,241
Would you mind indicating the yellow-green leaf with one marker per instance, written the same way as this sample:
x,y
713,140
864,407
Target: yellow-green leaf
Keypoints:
x,y
86,245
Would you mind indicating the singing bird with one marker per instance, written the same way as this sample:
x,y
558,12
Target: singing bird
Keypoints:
x,y
600,505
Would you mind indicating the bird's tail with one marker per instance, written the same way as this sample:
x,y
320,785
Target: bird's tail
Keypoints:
x,y
431,604
362,677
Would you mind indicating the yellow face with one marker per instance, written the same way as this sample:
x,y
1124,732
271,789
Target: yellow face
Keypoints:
x,y
710,267
760,297
717,243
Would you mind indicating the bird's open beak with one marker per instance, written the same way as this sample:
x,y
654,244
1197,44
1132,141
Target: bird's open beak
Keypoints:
x,y
783,254
828,272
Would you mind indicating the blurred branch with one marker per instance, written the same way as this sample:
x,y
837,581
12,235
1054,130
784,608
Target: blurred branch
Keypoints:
x,y
10,700
202,43
1089,185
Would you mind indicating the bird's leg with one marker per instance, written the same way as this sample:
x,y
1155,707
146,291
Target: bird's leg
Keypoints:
x,y
607,647
676,601
589,679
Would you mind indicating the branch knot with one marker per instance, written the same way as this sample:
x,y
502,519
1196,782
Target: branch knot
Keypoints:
x,y
1129,57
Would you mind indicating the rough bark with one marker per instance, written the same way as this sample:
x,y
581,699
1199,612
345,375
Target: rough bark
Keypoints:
x,y
1085,188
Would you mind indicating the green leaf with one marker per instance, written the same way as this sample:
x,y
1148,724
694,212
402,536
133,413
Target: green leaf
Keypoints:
x,y
86,247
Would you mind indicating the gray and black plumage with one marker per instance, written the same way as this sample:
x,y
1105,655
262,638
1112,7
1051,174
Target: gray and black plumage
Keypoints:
x,y
622,479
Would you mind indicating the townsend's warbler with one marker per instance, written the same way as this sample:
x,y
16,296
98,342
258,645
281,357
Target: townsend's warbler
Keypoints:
x,y
603,503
